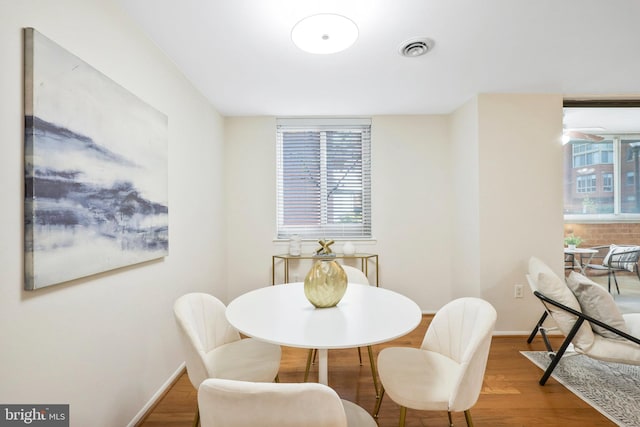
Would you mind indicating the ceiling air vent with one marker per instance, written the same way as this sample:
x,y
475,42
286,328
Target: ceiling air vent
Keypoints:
x,y
416,47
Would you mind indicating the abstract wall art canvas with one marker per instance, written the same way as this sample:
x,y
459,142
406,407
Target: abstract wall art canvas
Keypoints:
x,y
96,164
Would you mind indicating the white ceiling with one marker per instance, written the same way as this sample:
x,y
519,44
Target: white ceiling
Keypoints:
x,y
239,53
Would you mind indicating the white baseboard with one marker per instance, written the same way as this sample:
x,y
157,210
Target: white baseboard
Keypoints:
x,y
156,396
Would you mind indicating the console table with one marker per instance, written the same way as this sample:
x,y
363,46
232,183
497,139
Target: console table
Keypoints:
x,y
285,258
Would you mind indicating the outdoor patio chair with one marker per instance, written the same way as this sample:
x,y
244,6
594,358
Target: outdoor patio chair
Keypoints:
x,y
616,258
586,315
569,261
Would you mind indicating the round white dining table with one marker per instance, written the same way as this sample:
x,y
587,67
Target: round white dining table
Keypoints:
x,y
282,315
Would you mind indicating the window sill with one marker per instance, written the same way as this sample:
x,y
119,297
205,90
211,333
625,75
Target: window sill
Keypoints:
x,y
601,219
371,240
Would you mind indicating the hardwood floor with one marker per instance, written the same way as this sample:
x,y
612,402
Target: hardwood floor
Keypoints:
x,y
510,396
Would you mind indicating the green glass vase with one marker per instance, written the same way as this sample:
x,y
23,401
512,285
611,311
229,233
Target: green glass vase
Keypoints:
x,y
325,284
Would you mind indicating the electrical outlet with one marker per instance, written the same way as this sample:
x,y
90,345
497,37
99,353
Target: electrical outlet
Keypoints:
x,y
518,291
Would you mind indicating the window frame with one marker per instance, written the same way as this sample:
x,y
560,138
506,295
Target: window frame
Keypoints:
x,y
589,183
325,228
607,182
617,216
620,182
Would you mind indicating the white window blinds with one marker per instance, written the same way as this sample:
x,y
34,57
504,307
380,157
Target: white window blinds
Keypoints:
x,y
324,178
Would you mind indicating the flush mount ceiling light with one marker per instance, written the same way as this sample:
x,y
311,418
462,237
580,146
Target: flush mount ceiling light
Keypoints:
x,y
416,47
324,33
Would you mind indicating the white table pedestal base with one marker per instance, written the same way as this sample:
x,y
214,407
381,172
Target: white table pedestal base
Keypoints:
x,y
323,366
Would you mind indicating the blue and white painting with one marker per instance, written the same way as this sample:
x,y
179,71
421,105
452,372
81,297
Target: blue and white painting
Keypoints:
x,y
95,170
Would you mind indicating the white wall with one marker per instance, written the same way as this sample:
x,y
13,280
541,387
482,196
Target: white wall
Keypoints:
x,y
107,343
507,170
520,198
507,174
250,185
411,206
465,216
460,202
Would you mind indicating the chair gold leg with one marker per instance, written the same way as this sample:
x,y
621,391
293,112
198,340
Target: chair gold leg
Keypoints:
x,y
359,356
403,415
467,416
277,378
450,420
378,403
374,371
306,371
196,419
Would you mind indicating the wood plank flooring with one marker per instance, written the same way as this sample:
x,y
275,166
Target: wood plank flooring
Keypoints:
x,y
510,396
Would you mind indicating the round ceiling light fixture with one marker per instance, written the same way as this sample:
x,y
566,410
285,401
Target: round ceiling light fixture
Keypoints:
x,y
413,48
324,33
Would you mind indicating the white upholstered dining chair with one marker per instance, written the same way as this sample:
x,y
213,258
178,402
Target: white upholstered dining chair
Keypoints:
x,y
213,348
228,403
446,372
355,275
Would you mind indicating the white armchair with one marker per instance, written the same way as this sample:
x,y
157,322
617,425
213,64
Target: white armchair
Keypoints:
x,y
587,316
446,372
227,403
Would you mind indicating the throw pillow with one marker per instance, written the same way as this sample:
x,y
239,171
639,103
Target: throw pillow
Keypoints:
x,y
596,302
552,286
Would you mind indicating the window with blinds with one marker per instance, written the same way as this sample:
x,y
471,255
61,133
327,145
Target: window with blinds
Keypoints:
x,y
324,178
